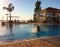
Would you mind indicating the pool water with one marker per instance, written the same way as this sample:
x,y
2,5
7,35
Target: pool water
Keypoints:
x,y
24,31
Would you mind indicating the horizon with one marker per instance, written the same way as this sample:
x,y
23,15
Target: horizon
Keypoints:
x,y
25,8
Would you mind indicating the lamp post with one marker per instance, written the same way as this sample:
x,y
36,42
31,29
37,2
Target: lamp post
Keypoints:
x,y
7,17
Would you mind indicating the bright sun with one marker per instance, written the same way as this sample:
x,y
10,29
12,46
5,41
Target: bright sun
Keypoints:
x,y
2,4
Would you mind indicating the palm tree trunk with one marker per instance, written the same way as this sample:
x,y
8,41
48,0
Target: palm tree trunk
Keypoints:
x,y
10,16
10,24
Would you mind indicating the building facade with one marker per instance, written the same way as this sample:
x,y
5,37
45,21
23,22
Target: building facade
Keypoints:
x,y
50,14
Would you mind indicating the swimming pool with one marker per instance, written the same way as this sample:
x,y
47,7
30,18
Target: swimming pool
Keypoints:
x,y
24,31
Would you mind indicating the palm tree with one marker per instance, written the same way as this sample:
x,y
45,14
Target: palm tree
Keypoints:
x,y
10,8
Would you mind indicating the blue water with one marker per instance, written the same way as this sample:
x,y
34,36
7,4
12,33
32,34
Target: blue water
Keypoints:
x,y
24,31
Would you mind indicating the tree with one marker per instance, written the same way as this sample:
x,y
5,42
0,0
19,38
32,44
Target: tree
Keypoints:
x,y
10,8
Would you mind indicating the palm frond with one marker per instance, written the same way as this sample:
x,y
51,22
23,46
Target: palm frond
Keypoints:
x,y
10,5
13,7
10,8
4,8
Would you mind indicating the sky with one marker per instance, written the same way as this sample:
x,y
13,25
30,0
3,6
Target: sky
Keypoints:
x,y
25,8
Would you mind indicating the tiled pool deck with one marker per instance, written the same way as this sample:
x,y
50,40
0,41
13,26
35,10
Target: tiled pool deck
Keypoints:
x,y
47,42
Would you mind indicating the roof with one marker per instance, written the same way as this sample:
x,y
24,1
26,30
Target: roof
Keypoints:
x,y
50,9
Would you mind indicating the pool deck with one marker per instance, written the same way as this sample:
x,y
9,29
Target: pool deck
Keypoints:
x,y
47,42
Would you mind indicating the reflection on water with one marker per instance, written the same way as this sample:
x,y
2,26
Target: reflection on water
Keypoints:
x,y
2,31
10,28
24,31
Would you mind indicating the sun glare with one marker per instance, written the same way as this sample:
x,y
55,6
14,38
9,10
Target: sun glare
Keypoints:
x,y
2,4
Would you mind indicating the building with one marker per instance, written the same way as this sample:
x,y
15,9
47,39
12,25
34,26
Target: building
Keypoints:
x,y
50,14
